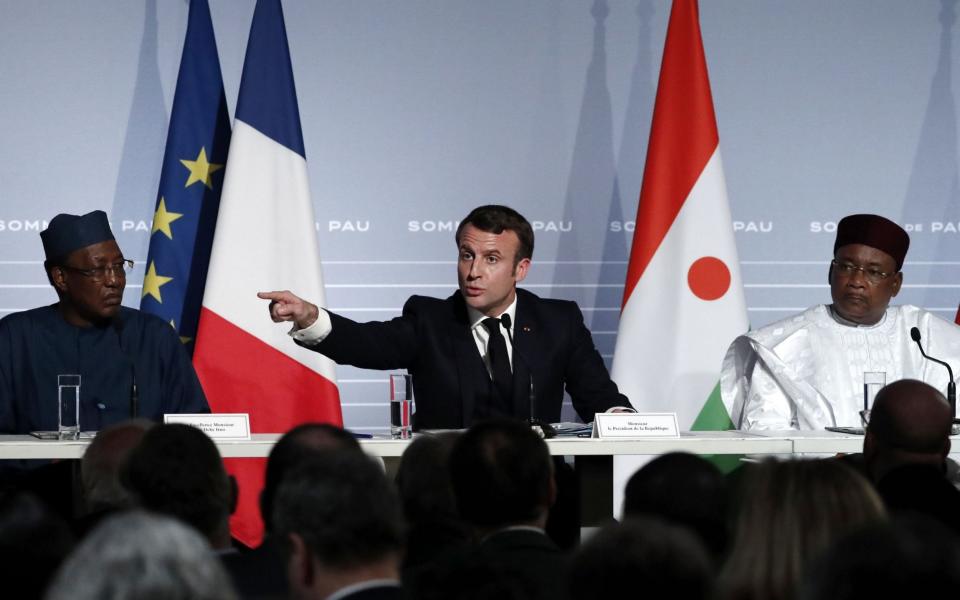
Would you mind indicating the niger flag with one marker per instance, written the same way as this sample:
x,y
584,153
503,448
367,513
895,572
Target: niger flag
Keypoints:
x,y
683,299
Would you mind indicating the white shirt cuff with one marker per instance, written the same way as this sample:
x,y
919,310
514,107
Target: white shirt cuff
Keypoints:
x,y
316,332
623,408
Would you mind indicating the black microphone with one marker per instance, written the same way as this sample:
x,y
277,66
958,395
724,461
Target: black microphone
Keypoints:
x,y
952,386
546,429
134,396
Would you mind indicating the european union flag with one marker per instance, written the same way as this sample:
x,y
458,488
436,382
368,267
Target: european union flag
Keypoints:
x,y
190,182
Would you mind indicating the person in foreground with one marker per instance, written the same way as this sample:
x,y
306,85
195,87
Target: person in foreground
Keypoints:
x,y
788,513
910,557
100,468
643,557
905,451
142,555
340,523
685,490
503,484
261,573
807,371
468,360
88,333
176,470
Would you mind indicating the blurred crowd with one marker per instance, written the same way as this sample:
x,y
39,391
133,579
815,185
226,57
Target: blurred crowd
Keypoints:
x,y
466,515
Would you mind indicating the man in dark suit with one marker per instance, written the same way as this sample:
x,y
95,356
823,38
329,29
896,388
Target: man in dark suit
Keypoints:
x,y
339,522
484,350
905,451
261,573
504,487
177,471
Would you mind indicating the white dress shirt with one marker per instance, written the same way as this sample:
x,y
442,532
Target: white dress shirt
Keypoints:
x,y
482,337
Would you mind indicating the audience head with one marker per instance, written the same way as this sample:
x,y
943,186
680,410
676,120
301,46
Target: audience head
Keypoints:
x,y
292,449
643,557
102,462
339,520
502,475
33,542
140,555
909,424
788,513
908,558
177,471
683,489
423,478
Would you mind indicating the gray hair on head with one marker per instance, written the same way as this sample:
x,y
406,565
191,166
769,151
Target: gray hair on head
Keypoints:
x,y
145,556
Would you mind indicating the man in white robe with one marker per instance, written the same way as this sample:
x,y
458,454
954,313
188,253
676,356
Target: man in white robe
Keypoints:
x,y
807,371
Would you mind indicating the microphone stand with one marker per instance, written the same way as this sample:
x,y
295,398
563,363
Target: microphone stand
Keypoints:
x,y
544,430
952,386
134,395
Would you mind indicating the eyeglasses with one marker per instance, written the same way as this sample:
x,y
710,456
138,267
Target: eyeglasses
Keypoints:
x,y
98,274
849,269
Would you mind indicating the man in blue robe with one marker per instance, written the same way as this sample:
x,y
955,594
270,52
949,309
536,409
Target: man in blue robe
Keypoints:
x,y
87,332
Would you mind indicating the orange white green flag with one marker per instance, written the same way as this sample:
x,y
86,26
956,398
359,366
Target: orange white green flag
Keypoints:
x,y
683,300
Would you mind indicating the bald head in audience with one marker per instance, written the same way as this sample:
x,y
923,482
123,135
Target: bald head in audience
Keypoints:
x,y
909,424
176,470
295,447
103,461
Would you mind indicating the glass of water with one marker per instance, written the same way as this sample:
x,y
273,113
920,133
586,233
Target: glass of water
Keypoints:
x,y
873,382
68,395
401,405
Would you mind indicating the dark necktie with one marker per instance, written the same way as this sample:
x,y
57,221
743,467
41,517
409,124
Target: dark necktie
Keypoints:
x,y
499,360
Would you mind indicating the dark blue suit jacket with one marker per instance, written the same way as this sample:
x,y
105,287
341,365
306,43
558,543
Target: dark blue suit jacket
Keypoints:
x,y
433,342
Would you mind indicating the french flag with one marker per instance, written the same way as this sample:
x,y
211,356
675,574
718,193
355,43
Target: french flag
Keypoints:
x,y
265,239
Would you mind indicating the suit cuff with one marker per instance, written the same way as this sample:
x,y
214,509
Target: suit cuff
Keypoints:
x,y
316,332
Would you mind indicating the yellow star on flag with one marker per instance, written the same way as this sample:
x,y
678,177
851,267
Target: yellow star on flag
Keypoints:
x,y
201,169
152,283
183,339
162,219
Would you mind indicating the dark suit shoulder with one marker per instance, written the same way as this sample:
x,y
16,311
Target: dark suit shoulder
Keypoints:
x,y
428,307
521,539
531,556
548,310
553,304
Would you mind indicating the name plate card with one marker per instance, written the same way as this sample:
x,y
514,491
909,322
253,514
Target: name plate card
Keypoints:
x,y
225,426
635,426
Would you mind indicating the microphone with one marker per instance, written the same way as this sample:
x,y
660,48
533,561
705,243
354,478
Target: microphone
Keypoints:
x,y
952,386
546,430
134,396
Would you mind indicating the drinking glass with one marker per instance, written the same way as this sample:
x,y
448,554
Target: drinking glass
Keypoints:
x,y
68,397
401,405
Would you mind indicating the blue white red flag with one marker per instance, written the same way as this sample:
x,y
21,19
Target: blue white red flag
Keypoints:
x,y
265,240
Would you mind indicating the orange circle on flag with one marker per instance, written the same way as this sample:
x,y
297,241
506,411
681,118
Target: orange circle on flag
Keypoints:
x,y
708,278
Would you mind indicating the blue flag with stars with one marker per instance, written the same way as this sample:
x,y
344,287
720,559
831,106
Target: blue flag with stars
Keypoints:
x,y
190,182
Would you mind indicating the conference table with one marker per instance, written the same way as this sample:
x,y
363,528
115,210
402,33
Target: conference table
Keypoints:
x,y
593,459
697,442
